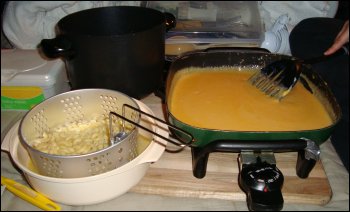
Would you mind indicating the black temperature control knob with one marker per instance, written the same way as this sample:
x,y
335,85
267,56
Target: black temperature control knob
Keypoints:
x,y
262,182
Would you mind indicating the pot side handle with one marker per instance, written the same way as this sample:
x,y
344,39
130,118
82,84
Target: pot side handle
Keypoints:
x,y
56,47
170,21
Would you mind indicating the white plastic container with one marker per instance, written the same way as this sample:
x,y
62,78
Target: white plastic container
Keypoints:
x,y
205,24
27,79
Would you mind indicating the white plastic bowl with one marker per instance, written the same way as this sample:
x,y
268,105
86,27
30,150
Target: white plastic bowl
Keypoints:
x,y
92,189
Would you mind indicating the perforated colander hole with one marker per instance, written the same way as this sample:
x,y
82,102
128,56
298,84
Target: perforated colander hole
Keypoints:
x,y
120,150
53,162
38,117
131,155
132,150
98,159
108,101
99,168
52,167
73,109
37,128
35,117
133,115
120,159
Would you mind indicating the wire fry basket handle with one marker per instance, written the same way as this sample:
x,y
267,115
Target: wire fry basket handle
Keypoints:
x,y
181,144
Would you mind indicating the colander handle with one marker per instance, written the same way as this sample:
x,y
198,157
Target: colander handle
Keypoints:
x,y
6,143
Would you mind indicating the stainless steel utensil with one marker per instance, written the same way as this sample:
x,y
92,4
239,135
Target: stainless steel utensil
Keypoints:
x,y
279,77
72,107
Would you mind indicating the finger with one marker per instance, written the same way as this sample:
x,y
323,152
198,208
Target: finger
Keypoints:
x,y
339,42
333,48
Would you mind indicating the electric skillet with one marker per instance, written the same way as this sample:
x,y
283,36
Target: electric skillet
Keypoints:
x,y
259,176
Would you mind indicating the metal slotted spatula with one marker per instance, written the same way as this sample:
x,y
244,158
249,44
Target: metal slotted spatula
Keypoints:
x,y
278,78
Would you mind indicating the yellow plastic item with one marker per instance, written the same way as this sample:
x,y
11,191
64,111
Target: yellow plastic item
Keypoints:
x,y
29,195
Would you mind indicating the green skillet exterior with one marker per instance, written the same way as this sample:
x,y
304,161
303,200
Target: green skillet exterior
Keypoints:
x,y
209,59
204,136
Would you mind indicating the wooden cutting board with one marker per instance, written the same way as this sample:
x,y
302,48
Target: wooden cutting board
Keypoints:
x,y
172,176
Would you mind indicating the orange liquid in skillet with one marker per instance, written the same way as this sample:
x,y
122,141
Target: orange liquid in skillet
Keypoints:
x,y
224,100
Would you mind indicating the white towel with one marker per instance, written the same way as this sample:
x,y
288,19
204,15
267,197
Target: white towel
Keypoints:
x,y
296,11
26,23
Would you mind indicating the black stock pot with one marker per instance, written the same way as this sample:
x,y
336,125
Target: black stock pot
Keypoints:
x,y
119,48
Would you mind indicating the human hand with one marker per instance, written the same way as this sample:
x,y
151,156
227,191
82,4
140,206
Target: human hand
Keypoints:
x,y
340,40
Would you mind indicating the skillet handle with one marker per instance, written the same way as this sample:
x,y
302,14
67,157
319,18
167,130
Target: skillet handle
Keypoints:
x,y
57,47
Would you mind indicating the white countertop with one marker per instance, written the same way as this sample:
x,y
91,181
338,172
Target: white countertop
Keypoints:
x,y
337,175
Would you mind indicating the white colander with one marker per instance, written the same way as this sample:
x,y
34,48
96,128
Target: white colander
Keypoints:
x,y
92,189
